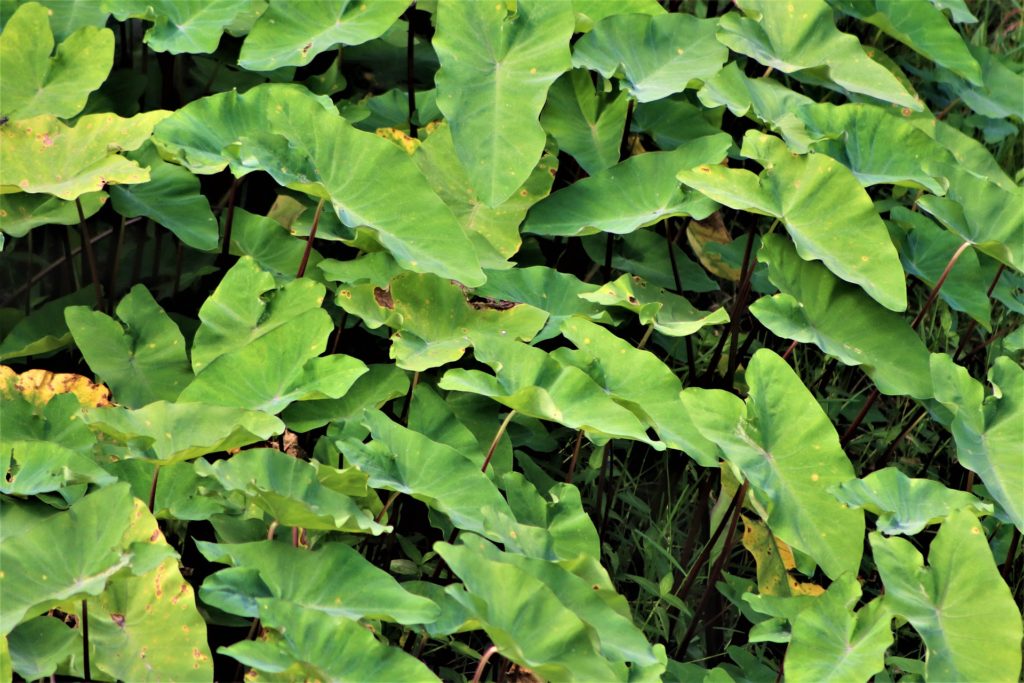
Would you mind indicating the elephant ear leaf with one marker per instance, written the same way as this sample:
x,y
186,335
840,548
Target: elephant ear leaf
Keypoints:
x,y
496,68
956,602
784,445
35,83
779,35
823,206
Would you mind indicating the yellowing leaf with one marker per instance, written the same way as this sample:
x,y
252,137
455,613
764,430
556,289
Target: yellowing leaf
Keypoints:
x,y
711,229
42,385
403,140
774,561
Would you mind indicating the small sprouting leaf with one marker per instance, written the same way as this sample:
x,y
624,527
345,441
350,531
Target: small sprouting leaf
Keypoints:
x,y
496,68
904,505
657,55
293,32
43,155
785,446
827,213
959,604
35,83
637,192
776,34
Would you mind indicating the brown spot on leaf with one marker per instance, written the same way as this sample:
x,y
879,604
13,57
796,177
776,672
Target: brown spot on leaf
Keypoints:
x,y
484,302
154,536
117,619
383,298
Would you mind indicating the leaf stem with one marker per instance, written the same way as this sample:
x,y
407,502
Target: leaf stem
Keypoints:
x,y
86,669
225,247
741,297
575,456
938,285
410,70
309,240
488,653
90,257
152,487
497,438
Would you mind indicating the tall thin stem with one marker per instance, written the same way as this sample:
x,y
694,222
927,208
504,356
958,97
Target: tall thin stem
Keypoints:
x,y
309,240
734,314
90,256
225,247
410,71
497,438
86,669
938,285
482,664
575,457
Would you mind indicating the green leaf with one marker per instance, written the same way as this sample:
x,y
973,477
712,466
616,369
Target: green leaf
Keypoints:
x,y
304,144
44,329
42,155
959,604
88,535
273,247
816,307
656,56
997,96
640,382
863,136
171,198
925,252
782,442
293,32
434,320
290,491
670,314
39,646
22,212
777,35
36,83
380,384
144,363
399,459
182,26
333,579
825,210
987,433
645,253
586,124
982,213
280,367
534,383
589,12
832,643
762,99
33,467
904,505
637,192
145,626
494,231
172,432
496,68
313,646
65,17
526,620
545,288
920,26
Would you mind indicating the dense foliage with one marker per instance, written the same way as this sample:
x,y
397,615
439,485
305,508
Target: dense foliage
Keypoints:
x,y
594,340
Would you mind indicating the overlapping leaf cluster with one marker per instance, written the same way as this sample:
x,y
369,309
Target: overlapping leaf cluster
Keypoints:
x,y
338,329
